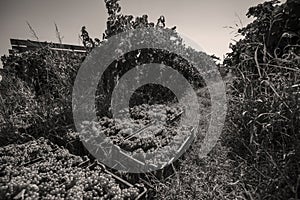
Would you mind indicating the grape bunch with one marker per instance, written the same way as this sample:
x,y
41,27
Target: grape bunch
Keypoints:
x,y
124,132
21,154
147,112
143,133
58,175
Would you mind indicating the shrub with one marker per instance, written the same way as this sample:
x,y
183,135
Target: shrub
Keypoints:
x,y
265,94
36,92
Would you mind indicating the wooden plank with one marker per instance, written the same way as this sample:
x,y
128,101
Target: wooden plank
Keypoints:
x,y
68,50
29,43
16,42
21,49
67,46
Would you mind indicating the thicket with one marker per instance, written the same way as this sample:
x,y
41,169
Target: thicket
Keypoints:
x,y
36,94
264,96
36,90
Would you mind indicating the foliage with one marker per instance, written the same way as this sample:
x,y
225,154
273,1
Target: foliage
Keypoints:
x,y
265,96
36,92
118,23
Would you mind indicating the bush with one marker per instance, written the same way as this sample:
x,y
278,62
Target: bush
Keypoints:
x,y
265,94
36,92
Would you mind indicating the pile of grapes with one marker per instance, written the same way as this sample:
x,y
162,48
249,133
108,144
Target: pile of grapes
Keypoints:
x,y
142,131
40,170
161,112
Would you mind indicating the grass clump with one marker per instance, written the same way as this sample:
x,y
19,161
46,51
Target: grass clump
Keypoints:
x,y
264,95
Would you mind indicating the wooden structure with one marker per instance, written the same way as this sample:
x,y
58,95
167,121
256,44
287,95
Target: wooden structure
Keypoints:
x,y
20,46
